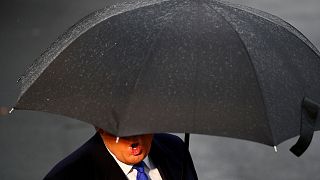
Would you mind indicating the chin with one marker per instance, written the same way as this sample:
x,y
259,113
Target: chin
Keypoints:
x,y
135,159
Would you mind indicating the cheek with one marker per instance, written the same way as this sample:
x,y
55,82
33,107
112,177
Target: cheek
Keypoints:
x,y
125,151
147,146
123,154
148,140
120,150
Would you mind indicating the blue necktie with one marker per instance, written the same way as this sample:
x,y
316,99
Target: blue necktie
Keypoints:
x,y
141,175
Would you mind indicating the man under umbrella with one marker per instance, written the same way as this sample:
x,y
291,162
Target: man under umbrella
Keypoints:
x,y
142,157
204,67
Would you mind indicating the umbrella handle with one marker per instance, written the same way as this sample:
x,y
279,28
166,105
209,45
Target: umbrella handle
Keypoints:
x,y
187,139
307,127
185,157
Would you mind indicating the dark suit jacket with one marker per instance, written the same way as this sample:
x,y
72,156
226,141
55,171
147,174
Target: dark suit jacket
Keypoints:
x,y
92,161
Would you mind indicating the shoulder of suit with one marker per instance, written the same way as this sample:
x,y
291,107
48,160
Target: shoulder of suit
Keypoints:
x,y
168,138
75,162
169,143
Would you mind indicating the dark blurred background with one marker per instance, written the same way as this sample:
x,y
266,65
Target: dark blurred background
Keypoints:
x,y
32,142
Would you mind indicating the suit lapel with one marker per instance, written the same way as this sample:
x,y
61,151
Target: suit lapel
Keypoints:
x,y
169,166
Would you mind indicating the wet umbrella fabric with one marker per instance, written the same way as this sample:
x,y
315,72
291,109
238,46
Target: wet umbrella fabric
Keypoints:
x,y
205,67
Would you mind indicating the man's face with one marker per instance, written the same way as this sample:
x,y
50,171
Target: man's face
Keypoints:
x,y
129,150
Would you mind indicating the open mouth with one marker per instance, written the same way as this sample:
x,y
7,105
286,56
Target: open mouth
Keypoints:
x,y
135,149
134,145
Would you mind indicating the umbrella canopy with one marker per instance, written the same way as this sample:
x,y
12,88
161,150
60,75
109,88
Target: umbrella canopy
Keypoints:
x,y
196,66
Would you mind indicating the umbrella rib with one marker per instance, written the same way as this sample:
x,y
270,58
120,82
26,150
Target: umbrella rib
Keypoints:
x,y
250,62
150,49
171,12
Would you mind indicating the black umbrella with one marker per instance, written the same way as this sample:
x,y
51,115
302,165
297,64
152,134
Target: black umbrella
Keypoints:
x,y
194,66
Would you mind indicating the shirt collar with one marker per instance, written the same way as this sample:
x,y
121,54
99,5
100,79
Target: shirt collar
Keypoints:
x,y
148,163
126,168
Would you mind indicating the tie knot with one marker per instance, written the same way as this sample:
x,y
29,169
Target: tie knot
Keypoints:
x,y
139,167
141,175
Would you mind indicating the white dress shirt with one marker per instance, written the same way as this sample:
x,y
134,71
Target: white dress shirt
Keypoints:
x,y
149,169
